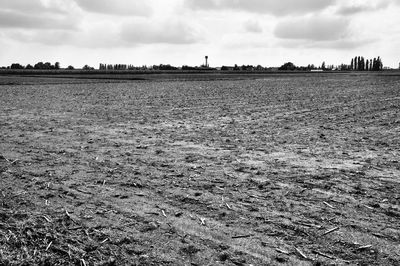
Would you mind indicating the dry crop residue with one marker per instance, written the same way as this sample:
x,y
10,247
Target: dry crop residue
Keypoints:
x,y
290,170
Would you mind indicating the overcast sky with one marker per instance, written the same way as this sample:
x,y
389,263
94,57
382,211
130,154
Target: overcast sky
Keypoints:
x,y
179,32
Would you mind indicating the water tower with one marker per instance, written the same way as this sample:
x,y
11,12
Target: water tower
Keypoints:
x,y
206,65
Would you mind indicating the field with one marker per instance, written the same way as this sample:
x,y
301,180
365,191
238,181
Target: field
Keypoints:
x,y
274,170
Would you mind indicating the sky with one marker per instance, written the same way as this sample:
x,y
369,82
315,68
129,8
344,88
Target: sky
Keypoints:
x,y
183,32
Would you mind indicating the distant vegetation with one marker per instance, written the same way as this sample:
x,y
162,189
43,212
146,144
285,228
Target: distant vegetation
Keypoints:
x,y
39,65
87,67
120,67
154,67
358,63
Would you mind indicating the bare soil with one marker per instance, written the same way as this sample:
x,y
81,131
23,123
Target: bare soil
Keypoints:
x,y
283,170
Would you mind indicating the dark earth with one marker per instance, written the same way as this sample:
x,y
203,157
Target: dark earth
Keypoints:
x,y
276,170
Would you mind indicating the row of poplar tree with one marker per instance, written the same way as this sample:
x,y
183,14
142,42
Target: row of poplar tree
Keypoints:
x,y
120,67
360,64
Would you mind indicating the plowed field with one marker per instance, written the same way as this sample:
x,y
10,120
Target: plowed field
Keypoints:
x,y
281,170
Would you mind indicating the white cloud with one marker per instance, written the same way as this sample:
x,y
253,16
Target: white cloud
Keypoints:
x,y
252,26
92,37
37,14
23,5
341,44
172,32
49,37
116,7
12,19
37,7
313,28
356,8
279,8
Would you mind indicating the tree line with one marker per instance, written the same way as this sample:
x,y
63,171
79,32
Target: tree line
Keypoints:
x,y
132,67
358,63
39,65
120,67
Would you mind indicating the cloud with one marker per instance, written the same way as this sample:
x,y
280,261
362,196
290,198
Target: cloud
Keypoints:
x,y
327,45
11,19
22,5
37,14
49,37
92,37
313,28
167,32
116,7
252,26
204,4
281,7
144,32
31,6
361,8
341,44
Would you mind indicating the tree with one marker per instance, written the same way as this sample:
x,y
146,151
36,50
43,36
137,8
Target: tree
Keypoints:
x,y
70,67
344,67
48,65
362,67
42,65
57,65
29,66
287,66
380,63
87,67
39,65
377,64
323,66
16,66
352,64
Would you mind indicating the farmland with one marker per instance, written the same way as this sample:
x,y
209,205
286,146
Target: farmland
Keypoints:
x,y
268,170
